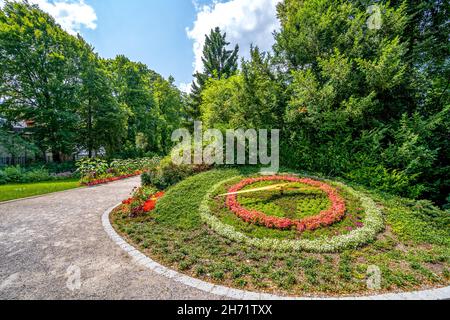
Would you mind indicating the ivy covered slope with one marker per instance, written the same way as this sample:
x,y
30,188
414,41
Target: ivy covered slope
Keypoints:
x,y
412,248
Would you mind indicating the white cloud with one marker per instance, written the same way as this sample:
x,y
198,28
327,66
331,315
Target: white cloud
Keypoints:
x,y
244,21
72,15
185,87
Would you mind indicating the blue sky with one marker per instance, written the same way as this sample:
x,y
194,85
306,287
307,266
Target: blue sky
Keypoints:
x,y
150,31
166,35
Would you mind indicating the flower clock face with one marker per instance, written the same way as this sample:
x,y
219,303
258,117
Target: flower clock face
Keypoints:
x,y
254,201
291,213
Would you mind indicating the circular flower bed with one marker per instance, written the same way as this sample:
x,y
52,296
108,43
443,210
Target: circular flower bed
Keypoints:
x,y
335,260
373,222
327,217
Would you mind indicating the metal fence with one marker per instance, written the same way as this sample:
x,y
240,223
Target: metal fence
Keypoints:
x,y
8,161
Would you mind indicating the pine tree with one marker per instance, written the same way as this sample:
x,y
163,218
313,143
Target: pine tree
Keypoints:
x,y
218,63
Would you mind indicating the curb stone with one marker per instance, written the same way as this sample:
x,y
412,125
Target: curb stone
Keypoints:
x,y
222,291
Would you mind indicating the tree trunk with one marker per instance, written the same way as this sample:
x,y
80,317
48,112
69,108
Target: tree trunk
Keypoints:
x,y
90,144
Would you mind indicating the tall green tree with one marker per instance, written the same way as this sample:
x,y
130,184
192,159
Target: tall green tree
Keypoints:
x,y
170,112
40,79
104,121
253,98
428,51
155,106
362,94
218,62
132,83
263,100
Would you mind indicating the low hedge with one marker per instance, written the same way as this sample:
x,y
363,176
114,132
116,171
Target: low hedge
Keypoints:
x,y
17,174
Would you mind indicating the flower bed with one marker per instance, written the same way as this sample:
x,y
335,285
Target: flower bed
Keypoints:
x,y
410,253
143,200
327,217
111,179
98,171
372,225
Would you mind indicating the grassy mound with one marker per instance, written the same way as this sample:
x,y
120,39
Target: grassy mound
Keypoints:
x,y
412,253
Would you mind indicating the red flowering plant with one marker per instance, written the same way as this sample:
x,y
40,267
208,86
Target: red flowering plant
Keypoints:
x,y
111,179
325,218
94,172
143,201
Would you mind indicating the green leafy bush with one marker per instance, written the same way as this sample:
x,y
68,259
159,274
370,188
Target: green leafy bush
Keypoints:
x,y
36,175
168,174
59,168
97,169
17,174
394,182
92,168
3,177
13,174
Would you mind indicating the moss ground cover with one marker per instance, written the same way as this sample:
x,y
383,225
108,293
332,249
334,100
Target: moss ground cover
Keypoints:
x,y
174,234
19,191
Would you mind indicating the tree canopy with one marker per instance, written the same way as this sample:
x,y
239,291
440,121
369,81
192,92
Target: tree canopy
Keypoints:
x,y
75,99
359,90
356,91
218,63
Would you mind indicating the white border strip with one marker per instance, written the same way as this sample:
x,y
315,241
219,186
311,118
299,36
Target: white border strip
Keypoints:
x,y
143,260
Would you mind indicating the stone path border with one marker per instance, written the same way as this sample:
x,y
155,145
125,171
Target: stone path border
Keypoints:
x,y
143,260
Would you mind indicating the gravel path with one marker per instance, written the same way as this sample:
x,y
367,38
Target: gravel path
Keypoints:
x,y
46,242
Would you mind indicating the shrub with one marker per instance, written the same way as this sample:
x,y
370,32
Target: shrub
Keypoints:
x,y
142,201
59,168
17,174
3,177
13,174
36,175
168,174
393,182
94,170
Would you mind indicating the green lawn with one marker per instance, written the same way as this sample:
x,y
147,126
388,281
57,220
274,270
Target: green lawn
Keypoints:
x,y
18,191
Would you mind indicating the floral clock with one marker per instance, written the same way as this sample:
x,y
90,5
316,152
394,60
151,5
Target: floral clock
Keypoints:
x,y
371,226
327,217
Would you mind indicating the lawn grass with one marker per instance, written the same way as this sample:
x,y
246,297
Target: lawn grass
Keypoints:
x,y
413,252
19,191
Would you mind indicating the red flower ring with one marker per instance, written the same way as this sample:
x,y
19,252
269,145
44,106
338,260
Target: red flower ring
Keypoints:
x,y
112,179
325,218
